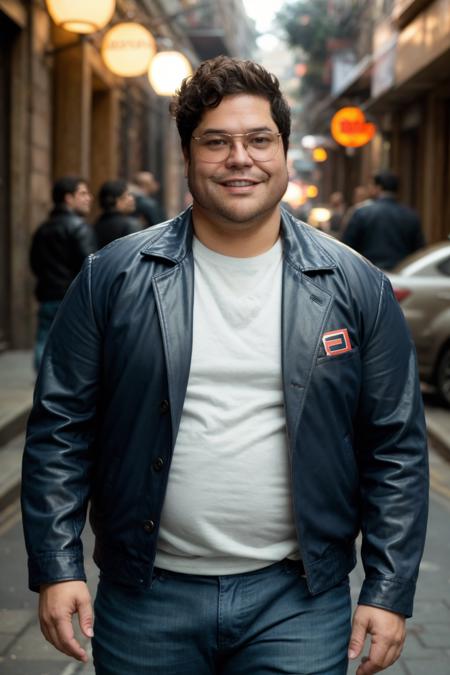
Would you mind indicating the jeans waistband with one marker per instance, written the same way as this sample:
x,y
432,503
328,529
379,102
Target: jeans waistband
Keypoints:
x,y
291,566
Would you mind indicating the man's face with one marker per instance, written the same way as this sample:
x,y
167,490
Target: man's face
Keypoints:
x,y
80,201
217,197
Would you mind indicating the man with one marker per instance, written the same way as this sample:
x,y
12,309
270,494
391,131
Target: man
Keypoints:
x,y
337,209
148,208
116,219
59,247
237,396
384,231
360,197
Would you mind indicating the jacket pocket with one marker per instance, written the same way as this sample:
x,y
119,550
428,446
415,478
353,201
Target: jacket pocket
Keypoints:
x,y
339,358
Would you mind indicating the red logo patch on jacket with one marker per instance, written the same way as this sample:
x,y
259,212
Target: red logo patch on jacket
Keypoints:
x,y
336,342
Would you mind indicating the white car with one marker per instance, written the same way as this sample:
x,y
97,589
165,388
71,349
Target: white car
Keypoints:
x,y
421,284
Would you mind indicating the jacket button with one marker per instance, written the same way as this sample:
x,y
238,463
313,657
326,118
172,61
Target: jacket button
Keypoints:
x,y
149,526
158,464
164,407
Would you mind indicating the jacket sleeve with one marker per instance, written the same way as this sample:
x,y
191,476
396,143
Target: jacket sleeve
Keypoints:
x,y
58,458
392,447
84,243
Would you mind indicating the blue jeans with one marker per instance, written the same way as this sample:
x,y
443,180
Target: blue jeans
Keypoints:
x,y
46,314
258,623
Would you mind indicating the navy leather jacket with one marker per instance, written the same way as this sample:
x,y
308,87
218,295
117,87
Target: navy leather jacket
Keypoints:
x,y
110,394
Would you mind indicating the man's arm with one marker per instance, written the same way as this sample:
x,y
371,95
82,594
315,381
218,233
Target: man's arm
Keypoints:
x,y
392,450
58,460
84,243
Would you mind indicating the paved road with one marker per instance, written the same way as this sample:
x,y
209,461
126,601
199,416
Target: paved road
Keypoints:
x,y
24,652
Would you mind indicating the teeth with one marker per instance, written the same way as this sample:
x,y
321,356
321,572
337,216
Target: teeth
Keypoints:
x,y
238,183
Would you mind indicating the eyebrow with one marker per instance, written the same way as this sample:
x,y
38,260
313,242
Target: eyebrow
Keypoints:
x,y
230,133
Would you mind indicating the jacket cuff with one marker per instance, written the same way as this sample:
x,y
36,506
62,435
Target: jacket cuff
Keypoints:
x,y
395,595
50,568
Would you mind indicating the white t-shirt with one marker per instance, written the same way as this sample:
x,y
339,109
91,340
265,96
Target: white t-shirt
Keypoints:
x,y
228,506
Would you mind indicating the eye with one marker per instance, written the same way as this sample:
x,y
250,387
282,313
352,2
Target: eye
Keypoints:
x,y
260,140
214,142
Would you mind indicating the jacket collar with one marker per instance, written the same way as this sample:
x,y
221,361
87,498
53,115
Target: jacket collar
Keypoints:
x,y
302,246
172,241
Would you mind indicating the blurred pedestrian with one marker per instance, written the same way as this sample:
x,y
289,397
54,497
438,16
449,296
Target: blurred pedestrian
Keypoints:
x,y
385,231
235,395
116,220
148,207
360,197
58,249
337,210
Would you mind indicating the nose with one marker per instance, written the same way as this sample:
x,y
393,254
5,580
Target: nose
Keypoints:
x,y
238,155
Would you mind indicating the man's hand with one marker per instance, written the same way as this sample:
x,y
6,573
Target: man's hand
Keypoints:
x,y
57,603
388,635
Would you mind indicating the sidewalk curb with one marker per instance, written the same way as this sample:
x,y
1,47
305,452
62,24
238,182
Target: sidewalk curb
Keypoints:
x,y
10,493
14,424
440,441
11,455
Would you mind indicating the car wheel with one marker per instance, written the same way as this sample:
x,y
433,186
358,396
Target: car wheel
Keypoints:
x,y
443,376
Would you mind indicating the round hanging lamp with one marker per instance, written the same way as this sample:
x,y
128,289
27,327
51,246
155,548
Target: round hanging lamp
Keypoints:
x,y
82,16
127,49
167,71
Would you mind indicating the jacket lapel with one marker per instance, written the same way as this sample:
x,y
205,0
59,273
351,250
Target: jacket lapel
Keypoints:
x,y
174,293
305,307
304,311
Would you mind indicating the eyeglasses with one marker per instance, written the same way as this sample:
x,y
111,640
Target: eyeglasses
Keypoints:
x,y
216,147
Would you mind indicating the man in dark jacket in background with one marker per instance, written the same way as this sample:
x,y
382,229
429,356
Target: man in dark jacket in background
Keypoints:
x,y
148,207
58,249
116,220
385,231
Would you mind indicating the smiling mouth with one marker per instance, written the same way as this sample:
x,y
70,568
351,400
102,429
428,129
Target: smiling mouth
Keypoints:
x,y
239,183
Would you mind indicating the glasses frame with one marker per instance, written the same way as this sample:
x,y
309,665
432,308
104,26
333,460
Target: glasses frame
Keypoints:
x,y
278,134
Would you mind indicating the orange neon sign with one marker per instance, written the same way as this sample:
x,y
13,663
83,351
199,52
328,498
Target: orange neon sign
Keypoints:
x,y
350,128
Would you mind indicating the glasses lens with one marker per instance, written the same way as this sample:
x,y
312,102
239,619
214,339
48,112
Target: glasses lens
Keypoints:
x,y
214,147
260,145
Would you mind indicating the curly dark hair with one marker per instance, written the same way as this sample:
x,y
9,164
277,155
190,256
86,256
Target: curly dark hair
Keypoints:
x,y
224,76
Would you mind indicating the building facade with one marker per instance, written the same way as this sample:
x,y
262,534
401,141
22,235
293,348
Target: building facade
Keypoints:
x,y
401,80
63,112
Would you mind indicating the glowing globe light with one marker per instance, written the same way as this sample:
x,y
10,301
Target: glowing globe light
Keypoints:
x,y
167,71
312,191
82,16
319,216
294,195
320,154
127,49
